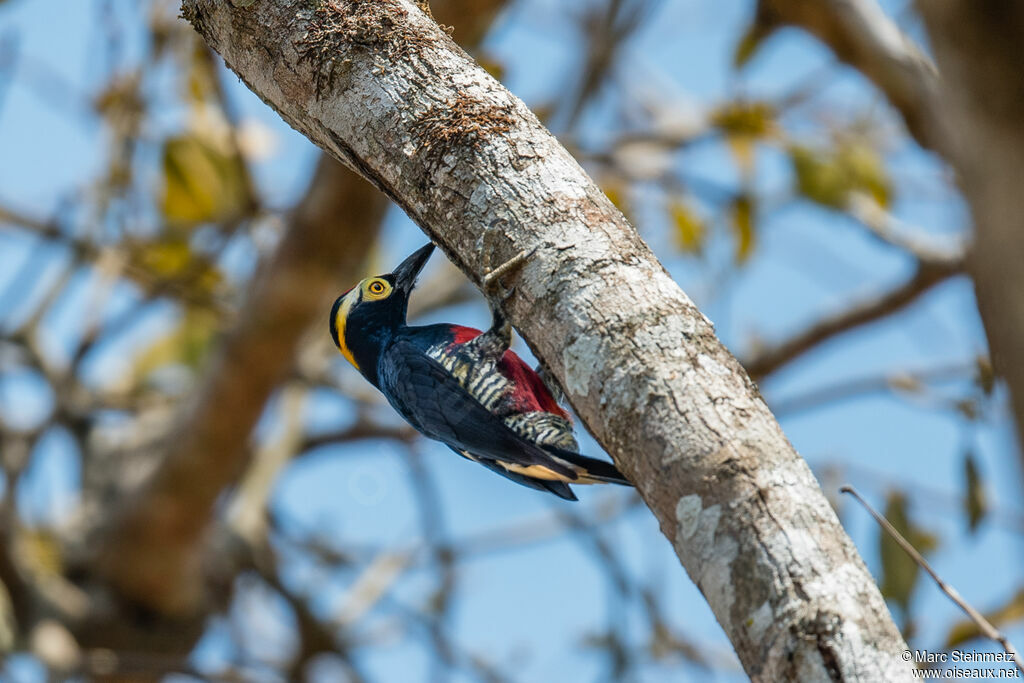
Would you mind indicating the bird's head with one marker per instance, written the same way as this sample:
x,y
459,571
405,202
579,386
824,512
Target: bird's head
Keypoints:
x,y
364,317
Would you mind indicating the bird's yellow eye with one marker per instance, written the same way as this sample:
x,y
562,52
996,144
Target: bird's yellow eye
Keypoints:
x,y
377,289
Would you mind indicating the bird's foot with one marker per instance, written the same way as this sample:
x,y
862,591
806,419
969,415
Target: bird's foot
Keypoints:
x,y
548,378
495,341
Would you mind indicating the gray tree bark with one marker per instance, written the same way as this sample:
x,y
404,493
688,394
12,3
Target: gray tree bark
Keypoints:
x,y
380,86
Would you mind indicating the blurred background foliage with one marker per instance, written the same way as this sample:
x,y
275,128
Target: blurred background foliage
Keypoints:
x,y
143,194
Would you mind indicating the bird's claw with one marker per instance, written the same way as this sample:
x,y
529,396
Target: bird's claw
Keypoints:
x,y
548,378
500,295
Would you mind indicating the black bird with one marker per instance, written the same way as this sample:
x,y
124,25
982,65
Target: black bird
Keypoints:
x,y
461,386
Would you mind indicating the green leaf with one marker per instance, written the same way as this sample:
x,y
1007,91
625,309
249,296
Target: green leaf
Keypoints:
x,y
1010,612
747,46
744,123
866,171
749,118
818,177
690,229
975,500
186,344
899,571
742,214
763,26
828,177
201,182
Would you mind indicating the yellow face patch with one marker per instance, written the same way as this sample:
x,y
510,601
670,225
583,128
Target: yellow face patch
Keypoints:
x,y
370,289
375,289
339,323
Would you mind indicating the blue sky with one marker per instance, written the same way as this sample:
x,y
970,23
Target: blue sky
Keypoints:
x,y
526,608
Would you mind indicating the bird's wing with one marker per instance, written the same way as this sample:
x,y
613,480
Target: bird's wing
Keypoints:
x,y
434,402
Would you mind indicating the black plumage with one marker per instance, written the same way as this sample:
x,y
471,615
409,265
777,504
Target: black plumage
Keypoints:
x,y
461,386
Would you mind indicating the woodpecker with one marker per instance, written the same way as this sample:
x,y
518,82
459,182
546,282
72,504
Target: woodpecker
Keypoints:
x,y
462,387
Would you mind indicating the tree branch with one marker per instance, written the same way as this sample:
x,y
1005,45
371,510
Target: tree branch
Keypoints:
x,y
861,35
984,625
151,553
978,47
381,87
928,274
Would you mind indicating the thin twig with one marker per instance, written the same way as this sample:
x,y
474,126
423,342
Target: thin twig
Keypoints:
x,y
929,274
507,267
890,230
986,627
894,382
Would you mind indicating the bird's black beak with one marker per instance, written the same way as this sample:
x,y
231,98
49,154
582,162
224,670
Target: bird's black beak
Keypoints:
x,y
406,272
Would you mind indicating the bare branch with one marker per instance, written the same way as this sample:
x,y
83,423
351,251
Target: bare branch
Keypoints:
x,y
977,45
987,629
928,274
861,35
889,230
891,382
151,552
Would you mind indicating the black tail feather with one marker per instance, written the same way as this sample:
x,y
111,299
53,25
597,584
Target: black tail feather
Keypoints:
x,y
596,469
560,489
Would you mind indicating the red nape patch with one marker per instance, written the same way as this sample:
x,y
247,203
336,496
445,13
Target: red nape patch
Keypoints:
x,y
530,392
464,334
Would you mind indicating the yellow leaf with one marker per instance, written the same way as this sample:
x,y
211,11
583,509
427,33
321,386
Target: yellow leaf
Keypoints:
x,y
186,344
866,171
167,259
201,183
742,147
764,24
616,196
689,227
746,47
172,259
828,177
40,550
751,118
492,66
743,226
744,123
818,177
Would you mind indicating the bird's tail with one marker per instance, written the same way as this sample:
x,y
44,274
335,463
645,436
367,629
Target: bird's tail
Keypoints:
x,y
594,470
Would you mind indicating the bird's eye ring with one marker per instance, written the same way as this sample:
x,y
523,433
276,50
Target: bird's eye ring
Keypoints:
x,y
378,289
